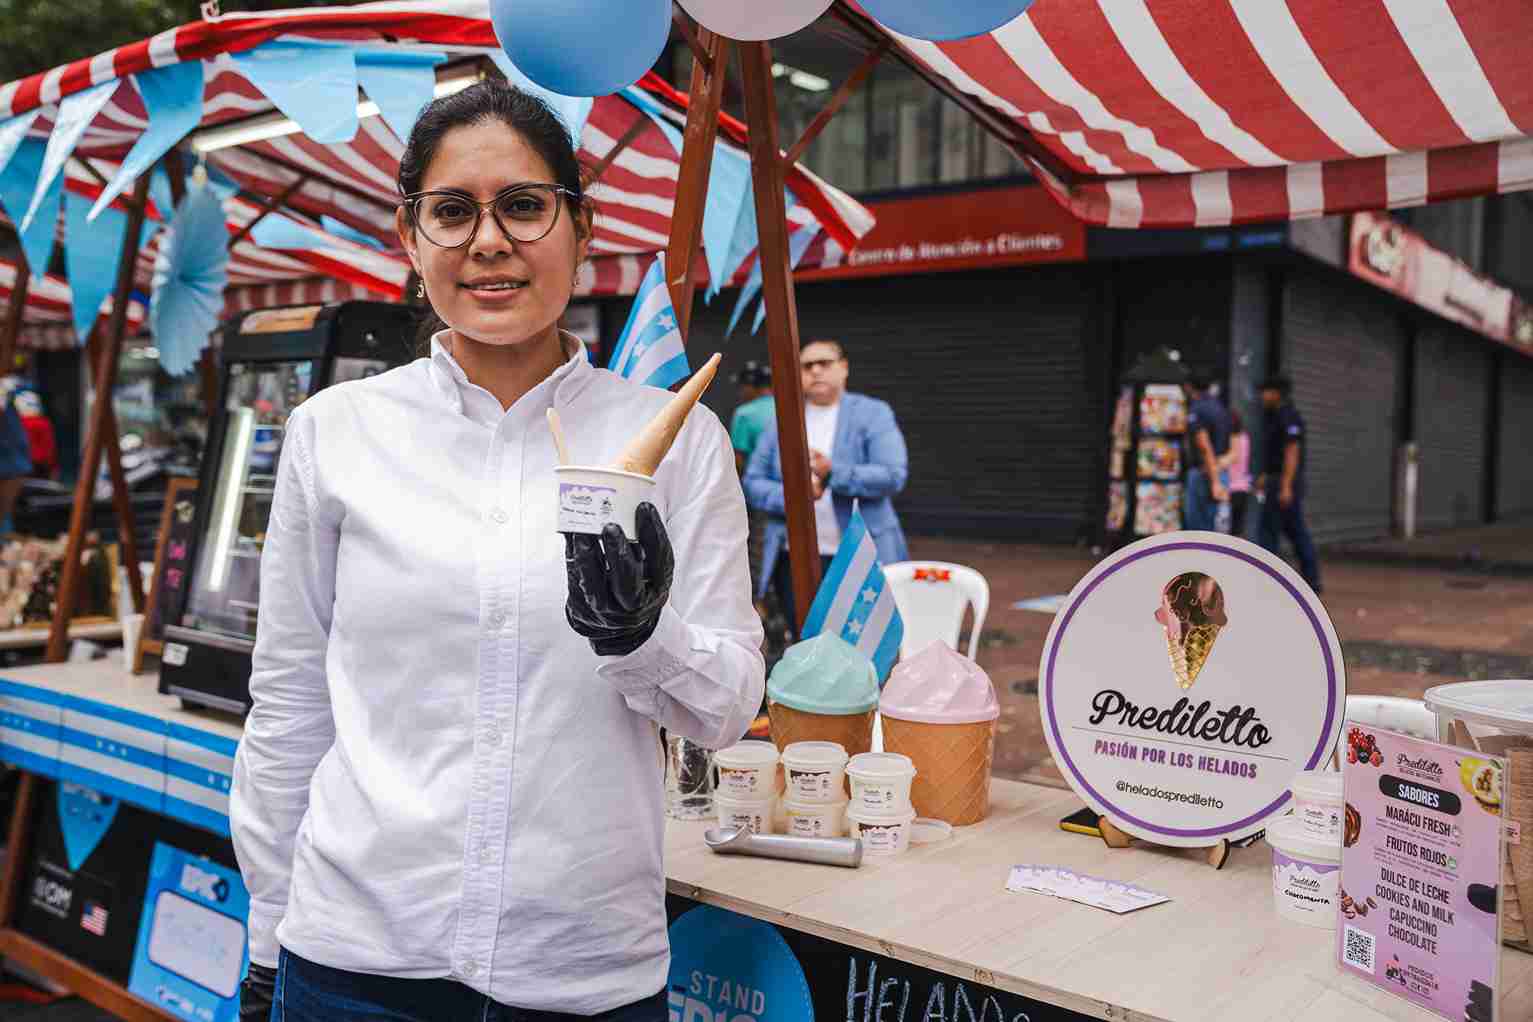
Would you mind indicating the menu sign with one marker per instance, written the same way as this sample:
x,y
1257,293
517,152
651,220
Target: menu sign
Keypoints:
x,y
1188,678
1420,864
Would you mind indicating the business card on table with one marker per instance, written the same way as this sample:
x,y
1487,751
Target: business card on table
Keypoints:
x,y
1059,882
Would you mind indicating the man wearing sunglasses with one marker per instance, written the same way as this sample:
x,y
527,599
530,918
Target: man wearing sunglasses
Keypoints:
x,y
856,453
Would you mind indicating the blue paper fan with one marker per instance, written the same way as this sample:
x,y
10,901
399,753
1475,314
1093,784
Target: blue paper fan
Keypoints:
x,y
190,274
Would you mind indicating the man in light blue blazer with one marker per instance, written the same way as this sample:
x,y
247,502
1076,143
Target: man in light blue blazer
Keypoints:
x,y
856,452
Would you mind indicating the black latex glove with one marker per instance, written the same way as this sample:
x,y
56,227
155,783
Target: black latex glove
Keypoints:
x,y
618,587
256,993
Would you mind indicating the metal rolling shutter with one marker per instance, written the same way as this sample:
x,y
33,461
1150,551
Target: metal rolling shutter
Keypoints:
x,y
1452,394
996,379
1342,346
1514,472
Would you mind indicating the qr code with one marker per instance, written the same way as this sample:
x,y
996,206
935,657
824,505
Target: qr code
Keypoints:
x,y
1357,949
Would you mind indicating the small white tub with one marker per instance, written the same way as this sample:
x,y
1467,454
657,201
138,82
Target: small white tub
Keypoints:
x,y
747,771
1305,873
815,772
880,781
881,833
591,496
1317,803
815,819
754,816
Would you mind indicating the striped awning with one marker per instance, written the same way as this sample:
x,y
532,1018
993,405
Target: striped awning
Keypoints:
x,y
1181,113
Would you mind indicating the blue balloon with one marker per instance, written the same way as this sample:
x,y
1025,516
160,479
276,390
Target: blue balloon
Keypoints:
x,y
939,21
582,47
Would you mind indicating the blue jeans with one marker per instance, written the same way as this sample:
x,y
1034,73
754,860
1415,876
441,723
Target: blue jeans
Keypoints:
x,y
307,992
1200,510
1289,521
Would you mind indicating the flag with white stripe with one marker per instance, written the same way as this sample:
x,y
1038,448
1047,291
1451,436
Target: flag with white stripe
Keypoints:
x,y
650,349
855,603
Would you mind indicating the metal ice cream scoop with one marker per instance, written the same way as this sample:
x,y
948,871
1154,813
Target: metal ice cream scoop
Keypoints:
x,y
828,851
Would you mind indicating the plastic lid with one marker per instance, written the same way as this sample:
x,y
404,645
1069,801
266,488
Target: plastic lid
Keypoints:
x,y
873,816
1288,835
928,832
795,806
1317,785
747,754
826,675
939,686
881,764
761,804
1503,704
814,754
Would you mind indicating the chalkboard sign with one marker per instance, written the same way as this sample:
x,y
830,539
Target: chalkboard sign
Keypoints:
x,y
172,561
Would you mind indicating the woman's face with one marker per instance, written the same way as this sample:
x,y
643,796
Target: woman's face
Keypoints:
x,y
492,289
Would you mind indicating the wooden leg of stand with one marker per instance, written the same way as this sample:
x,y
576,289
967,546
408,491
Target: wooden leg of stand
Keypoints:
x,y
1219,854
1111,835
17,847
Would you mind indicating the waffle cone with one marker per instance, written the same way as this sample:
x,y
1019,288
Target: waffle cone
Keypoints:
x,y
952,767
1190,654
646,450
1517,806
852,731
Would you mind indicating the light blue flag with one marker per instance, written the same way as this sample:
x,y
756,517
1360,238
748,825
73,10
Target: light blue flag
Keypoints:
x,y
574,111
401,82
650,349
275,230
17,183
173,102
855,603
92,249
190,274
74,115
312,84
350,233
798,244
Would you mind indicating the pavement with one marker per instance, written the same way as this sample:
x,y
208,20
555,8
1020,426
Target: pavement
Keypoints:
x,y
1415,618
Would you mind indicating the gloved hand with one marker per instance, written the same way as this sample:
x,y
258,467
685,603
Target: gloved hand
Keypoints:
x,y
256,993
619,587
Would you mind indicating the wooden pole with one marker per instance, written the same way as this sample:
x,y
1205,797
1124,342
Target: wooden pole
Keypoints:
x,y
692,179
837,101
275,202
782,320
122,499
637,128
101,421
14,314
18,848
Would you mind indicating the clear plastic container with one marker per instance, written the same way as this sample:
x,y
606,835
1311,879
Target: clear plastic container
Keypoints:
x,y
747,771
815,819
1488,716
815,772
880,781
881,833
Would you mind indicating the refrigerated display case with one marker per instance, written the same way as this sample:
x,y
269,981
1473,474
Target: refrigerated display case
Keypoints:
x,y
273,360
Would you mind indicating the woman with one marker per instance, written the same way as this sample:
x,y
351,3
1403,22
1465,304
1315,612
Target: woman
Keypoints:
x,y
447,802
1237,460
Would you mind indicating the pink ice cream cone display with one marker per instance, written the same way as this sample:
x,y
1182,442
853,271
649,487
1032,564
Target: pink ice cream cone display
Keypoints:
x,y
940,709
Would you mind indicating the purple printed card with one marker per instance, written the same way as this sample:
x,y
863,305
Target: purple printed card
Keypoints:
x,y
1420,867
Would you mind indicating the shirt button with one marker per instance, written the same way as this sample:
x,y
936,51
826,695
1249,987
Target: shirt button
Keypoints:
x,y
498,619
486,855
492,736
470,968
499,516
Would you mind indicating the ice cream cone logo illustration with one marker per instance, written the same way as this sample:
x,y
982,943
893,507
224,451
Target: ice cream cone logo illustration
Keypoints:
x,y
1192,613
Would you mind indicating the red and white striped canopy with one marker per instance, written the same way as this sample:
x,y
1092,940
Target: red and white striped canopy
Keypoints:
x,y
354,181
1181,113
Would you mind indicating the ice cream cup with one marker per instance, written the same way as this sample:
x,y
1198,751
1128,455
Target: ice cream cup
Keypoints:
x,y
880,781
1305,873
755,815
881,833
591,496
747,771
815,772
815,819
1317,803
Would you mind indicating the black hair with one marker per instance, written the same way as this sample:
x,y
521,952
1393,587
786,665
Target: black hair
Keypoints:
x,y
492,100
1282,384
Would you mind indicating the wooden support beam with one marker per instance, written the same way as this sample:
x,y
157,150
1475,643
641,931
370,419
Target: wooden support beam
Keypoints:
x,y
707,92
767,170
640,123
852,84
275,202
175,170
18,848
101,419
689,35
84,981
15,313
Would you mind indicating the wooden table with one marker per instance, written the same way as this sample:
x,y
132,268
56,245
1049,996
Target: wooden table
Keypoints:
x,y
27,638
1218,950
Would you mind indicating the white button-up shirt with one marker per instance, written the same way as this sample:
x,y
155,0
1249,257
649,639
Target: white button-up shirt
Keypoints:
x,y
439,778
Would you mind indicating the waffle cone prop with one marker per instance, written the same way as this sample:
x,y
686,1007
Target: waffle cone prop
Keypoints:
x,y
646,450
1192,612
852,731
952,767
1519,809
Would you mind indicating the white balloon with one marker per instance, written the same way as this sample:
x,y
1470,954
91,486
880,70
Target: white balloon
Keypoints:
x,y
750,20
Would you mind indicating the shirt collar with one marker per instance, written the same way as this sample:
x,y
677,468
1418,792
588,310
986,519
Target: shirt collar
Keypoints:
x,y
453,383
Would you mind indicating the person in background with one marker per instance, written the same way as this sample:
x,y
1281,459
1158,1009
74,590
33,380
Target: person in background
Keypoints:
x,y
754,414
15,453
1208,439
1237,462
856,452
1282,482
40,437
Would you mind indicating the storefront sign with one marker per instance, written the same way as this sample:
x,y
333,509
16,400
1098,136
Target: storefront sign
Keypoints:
x,y
979,229
1187,679
1421,861
1397,259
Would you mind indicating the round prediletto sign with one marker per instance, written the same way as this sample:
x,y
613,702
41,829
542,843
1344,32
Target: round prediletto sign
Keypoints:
x,y
1185,682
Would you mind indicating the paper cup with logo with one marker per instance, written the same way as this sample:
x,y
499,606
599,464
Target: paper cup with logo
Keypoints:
x,y
940,710
823,690
590,497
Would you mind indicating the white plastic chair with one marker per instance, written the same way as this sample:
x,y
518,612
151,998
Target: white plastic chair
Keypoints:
x,y
1390,713
932,596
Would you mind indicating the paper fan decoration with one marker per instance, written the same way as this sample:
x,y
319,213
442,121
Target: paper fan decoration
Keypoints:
x,y
190,274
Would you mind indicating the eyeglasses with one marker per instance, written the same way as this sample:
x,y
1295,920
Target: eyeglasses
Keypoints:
x,y
818,363
524,213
